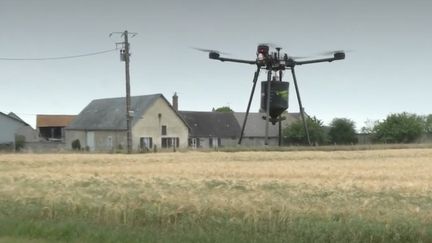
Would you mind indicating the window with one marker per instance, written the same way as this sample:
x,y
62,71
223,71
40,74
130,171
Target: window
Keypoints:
x,y
214,142
51,133
164,130
193,143
146,143
170,142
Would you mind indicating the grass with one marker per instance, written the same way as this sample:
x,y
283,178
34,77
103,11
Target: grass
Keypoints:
x,y
297,196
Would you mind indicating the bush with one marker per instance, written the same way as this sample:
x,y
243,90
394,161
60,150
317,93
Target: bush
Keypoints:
x,y
399,128
342,131
19,142
428,124
295,133
224,109
76,144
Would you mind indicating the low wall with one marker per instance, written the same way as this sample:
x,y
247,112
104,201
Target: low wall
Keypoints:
x,y
44,147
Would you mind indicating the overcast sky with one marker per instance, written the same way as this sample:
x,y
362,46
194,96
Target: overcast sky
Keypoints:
x,y
387,71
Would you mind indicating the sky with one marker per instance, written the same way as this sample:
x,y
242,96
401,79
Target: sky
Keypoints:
x,y
385,71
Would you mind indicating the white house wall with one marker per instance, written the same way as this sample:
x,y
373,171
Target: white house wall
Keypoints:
x,y
102,141
109,140
72,135
8,129
150,125
29,134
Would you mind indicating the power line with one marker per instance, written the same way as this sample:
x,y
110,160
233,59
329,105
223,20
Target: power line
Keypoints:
x,y
57,58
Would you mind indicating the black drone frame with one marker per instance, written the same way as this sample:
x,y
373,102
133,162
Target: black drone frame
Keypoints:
x,y
273,62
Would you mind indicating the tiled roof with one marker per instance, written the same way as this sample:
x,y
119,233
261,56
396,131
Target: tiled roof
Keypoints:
x,y
110,114
211,124
54,120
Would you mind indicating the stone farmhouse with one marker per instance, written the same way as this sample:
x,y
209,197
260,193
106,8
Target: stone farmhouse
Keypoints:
x,y
101,126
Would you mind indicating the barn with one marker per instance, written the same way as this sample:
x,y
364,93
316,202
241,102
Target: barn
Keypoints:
x,y
13,128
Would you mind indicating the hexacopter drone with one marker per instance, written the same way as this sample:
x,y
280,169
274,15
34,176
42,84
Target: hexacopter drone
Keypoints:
x,y
274,91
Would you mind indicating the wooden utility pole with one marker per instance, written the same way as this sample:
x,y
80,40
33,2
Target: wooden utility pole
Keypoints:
x,y
128,98
125,57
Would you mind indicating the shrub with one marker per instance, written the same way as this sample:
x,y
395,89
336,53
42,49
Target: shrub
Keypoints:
x,y
19,142
399,128
76,144
342,131
295,133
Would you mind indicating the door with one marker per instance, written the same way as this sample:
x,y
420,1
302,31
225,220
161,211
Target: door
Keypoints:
x,y
90,141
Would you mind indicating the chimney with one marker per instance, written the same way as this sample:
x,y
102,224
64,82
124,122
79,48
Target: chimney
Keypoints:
x,y
175,101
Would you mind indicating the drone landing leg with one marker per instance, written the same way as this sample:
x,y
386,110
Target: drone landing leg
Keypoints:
x,y
249,104
280,116
269,75
300,106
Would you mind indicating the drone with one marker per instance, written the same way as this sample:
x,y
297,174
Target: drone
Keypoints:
x,y
274,91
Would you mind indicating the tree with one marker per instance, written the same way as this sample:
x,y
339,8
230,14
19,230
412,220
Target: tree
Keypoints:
x,y
224,109
342,131
399,128
428,124
295,134
369,126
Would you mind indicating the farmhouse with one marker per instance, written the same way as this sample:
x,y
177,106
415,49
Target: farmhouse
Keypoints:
x,y
101,126
13,128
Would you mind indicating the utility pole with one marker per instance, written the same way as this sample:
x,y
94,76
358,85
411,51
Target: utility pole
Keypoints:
x,y
125,56
128,98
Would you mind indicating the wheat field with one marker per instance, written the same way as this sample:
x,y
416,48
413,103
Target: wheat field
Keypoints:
x,y
309,196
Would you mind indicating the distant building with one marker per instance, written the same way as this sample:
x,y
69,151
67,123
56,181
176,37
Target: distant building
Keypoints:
x,y
101,126
211,129
222,129
51,127
254,133
13,128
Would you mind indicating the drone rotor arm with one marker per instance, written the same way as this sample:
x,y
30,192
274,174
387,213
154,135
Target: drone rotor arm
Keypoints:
x,y
223,59
315,61
336,56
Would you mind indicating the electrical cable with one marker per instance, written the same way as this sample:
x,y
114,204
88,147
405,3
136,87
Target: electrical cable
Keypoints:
x,y
56,58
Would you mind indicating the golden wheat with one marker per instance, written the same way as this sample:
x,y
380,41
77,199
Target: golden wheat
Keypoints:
x,y
247,185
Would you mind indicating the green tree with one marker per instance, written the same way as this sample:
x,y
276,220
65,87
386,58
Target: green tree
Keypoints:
x,y
399,128
428,124
295,134
342,131
224,109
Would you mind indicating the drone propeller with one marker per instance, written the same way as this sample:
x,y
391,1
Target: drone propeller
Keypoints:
x,y
328,53
210,51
